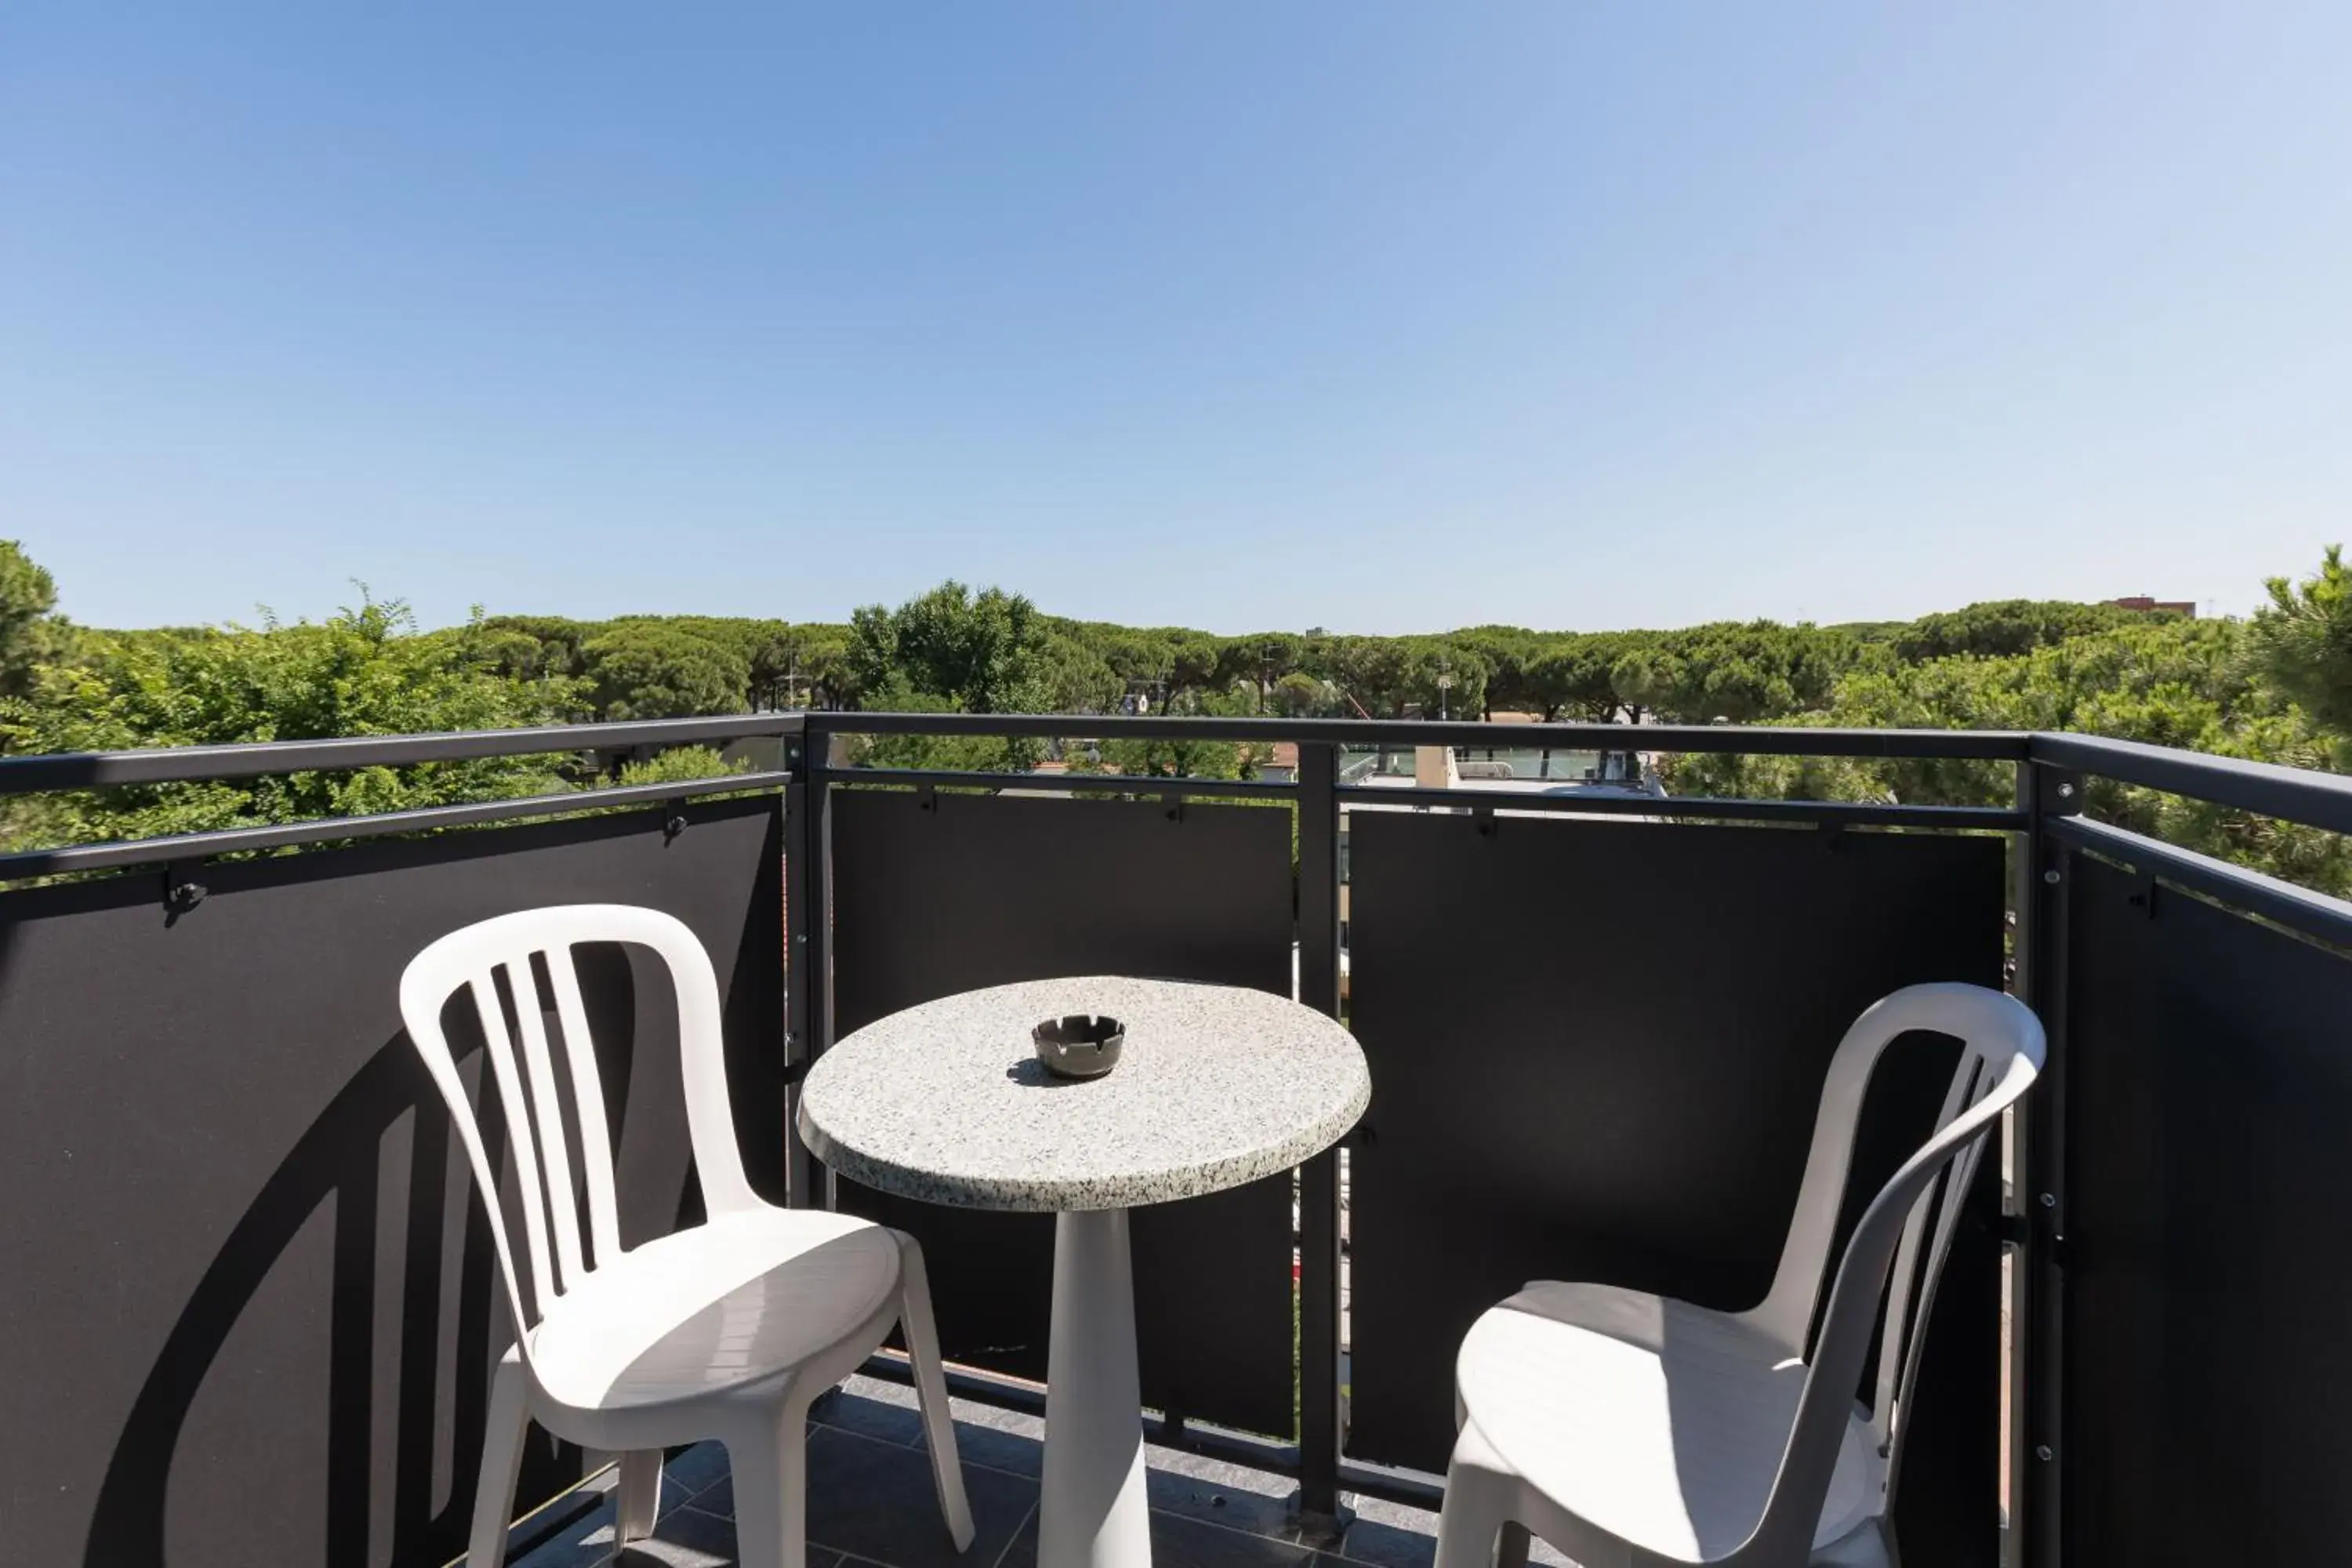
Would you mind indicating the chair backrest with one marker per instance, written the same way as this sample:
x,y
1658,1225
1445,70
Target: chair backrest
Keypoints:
x,y
545,1155
1908,1225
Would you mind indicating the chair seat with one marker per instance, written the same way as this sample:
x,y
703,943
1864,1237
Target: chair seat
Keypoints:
x,y
716,1307
1659,1422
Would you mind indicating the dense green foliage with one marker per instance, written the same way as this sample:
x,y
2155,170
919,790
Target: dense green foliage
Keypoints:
x,y
27,634
365,672
2206,685
659,670
2276,686
2303,640
2008,627
982,652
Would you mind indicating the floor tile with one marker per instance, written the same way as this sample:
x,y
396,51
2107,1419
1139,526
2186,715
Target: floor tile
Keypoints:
x,y
998,1439
875,1500
692,1538
1383,1544
872,1408
583,1543
696,1471
686,1539
1007,1449
871,1497
1178,1541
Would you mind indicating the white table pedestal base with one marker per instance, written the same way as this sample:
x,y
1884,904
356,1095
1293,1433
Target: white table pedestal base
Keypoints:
x,y
1091,1513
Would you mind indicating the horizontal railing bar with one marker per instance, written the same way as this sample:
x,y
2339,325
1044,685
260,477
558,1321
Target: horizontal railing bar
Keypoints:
x,y
2294,795
1124,784
2256,892
964,1383
1011,1394
1410,1487
193,764
1855,814
2318,799
1997,745
198,846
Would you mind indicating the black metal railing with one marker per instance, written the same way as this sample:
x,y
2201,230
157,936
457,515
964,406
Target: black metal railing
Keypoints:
x,y
2160,972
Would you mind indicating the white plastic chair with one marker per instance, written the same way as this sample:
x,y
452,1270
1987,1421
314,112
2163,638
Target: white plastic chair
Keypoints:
x,y
725,1330
1634,1431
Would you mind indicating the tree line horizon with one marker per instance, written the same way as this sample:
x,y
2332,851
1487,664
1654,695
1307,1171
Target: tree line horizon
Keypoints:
x,y
2276,686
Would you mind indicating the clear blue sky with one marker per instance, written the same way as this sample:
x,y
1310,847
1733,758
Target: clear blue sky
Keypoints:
x,y
1232,315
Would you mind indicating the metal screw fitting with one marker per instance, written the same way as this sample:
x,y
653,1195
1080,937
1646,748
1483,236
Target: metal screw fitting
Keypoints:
x,y
2045,1453
2049,1200
2050,876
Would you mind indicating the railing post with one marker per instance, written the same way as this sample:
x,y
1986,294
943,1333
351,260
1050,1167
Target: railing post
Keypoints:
x,y
808,928
2045,876
1319,1436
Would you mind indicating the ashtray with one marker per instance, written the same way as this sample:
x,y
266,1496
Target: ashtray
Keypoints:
x,y
1078,1046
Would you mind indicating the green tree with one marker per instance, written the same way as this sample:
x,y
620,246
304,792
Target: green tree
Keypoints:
x,y
1575,677
2004,626
1192,758
532,646
1193,662
2302,641
1440,676
967,753
1509,654
650,669
1374,672
773,657
1142,660
1646,675
1742,672
2170,683
678,765
363,672
1258,661
950,650
28,634
982,652
1075,678
1299,695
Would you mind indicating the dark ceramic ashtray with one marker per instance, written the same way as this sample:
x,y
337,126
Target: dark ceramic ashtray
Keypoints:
x,y
1078,1046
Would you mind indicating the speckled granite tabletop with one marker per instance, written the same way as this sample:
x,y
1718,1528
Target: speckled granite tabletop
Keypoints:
x,y
1216,1085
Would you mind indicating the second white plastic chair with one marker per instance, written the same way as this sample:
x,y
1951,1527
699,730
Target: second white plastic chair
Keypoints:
x,y
725,1330
1636,1431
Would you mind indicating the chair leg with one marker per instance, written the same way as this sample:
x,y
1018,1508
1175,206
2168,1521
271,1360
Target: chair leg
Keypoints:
x,y
931,1391
502,1440
1511,1544
637,1503
772,1493
1474,1528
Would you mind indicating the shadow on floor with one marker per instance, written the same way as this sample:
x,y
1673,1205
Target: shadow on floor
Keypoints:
x,y
870,1502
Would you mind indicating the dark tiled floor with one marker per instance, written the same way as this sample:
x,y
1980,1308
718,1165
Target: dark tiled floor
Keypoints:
x,y
870,1502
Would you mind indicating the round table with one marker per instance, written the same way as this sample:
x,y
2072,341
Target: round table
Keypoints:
x,y
946,1102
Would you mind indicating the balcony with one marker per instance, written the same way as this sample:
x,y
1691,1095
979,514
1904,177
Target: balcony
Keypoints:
x,y
250,1301
872,1502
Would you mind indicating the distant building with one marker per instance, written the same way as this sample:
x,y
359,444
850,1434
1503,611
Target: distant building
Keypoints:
x,y
2142,601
